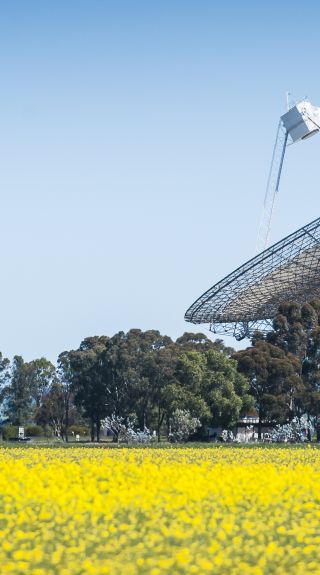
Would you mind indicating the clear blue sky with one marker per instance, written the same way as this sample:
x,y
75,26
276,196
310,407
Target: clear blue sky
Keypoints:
x,y
136,139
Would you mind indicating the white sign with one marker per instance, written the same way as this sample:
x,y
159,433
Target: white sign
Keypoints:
x,y
21,432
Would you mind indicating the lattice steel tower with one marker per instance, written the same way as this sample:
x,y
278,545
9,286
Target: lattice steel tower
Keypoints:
x,y
301,121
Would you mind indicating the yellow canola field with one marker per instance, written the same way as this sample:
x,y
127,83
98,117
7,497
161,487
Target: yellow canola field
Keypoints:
x,y
169,511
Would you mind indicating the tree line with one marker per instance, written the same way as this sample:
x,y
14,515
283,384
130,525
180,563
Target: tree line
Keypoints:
x,y
146,377
139,375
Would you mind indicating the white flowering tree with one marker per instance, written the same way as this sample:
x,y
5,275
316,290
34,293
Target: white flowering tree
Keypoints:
x,y
182,424
227,436
123,430
293,432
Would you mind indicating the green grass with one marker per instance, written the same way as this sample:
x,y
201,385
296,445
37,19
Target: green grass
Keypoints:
x,y
56,444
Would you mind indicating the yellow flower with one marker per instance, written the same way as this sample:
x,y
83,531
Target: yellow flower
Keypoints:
x,y
170,511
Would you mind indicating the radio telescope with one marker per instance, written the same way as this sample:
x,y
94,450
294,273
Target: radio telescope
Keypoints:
x,y
248,298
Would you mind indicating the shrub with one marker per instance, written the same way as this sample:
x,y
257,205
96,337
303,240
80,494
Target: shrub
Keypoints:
x,y
33,431
9,432
78,430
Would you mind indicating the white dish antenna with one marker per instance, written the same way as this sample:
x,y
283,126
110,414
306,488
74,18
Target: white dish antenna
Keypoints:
x,y
300,122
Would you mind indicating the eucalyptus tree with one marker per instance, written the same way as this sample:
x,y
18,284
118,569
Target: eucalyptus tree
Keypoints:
x,y
18,394
214,391
83,370
4,378
275,380
296,329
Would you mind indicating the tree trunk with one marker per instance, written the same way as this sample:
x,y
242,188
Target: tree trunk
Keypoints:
x,y
259,424
308,430
67,420
98,427
160,421
158,426
168,427
92,430
141,420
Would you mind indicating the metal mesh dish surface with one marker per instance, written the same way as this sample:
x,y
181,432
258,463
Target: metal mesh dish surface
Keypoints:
x,y
249,298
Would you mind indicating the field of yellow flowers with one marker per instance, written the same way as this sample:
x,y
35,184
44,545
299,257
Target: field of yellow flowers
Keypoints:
x,y
170,511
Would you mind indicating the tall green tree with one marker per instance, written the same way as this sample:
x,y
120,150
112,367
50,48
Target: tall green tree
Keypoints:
x,y
40,374
64,374
51,412
214,387
275,381
18,407
86,374
291,328
140,363
4,379
296,330
163,391
226,391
